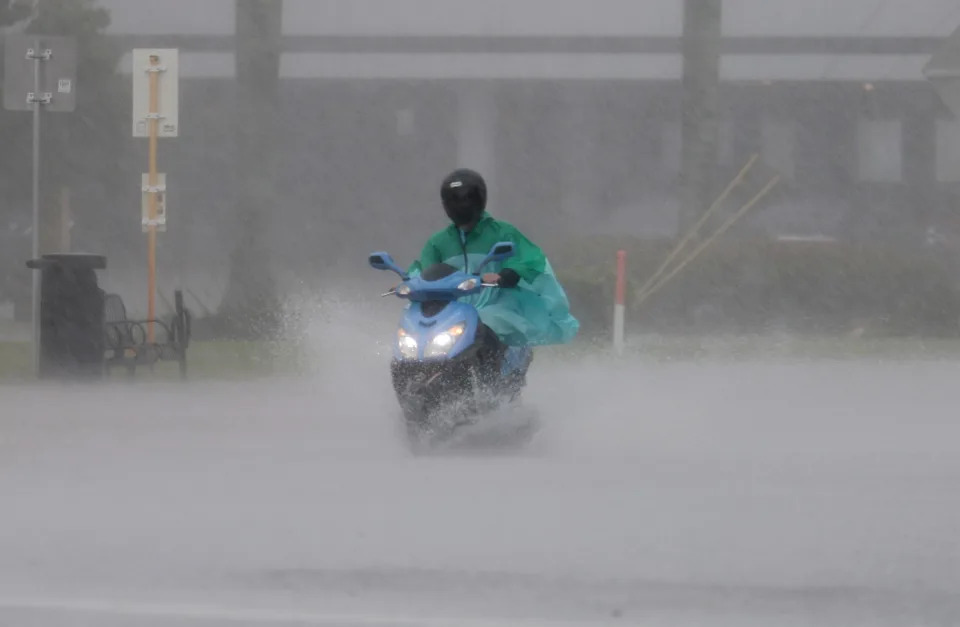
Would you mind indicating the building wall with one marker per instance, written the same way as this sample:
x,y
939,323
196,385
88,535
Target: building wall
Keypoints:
x,y
586,99
362,161
585,131
580,18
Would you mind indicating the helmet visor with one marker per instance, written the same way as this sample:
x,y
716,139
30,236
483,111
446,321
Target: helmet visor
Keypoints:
x,y
461,205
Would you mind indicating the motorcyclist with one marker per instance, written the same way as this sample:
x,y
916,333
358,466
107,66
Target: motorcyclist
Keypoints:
x,y
533,309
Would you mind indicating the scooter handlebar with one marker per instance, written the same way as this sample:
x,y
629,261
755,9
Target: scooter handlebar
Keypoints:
x,y
393,291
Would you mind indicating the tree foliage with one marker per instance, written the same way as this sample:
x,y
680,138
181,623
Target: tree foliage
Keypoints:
x,y
81,151
14,11
84,150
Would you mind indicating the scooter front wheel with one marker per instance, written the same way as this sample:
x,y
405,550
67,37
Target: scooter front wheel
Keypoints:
x,y
418,428
419,438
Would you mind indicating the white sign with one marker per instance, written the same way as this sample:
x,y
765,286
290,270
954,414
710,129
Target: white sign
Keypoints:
x,y
64,86
161,220
166,63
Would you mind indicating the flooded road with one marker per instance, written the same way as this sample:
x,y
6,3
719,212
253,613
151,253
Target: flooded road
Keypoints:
x,y
720,494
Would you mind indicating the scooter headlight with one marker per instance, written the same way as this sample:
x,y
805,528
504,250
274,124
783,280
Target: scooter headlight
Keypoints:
x,y
468,285
407,344
442,343
403,290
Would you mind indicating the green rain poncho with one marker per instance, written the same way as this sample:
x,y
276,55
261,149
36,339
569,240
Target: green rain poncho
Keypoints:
x,y
535,312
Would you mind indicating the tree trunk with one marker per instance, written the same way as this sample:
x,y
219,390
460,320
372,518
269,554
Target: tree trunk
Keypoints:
x,y
251,305
701,79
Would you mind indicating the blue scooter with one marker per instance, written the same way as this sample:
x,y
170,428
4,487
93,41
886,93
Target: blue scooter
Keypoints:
x,y
449,369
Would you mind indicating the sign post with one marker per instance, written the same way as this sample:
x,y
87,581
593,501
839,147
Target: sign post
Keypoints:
x,y
155,115
39,73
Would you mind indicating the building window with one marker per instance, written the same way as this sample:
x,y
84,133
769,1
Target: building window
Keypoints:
x,y
777,141
948,151
879,150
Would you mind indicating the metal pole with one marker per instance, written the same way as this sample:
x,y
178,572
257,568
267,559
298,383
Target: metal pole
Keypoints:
x,y
696,227
152,199
37,56
703,246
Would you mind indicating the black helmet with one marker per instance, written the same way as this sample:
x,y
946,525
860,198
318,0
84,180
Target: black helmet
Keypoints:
x,y
464,195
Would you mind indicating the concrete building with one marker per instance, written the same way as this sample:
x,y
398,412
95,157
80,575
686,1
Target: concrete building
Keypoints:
x,y
572,109
573,106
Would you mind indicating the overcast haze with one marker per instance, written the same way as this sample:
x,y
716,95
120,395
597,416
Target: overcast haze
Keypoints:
x,y
776,445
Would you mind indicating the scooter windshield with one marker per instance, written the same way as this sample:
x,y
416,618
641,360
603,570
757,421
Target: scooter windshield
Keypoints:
x,y
441,282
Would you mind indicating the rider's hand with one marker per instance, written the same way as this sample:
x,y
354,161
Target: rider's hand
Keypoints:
x,y
507,278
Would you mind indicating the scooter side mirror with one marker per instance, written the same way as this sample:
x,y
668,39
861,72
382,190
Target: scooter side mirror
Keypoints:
x,y
498,252
383,261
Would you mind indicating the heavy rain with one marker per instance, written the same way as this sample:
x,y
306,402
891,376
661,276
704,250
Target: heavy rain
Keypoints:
x,y
726,231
